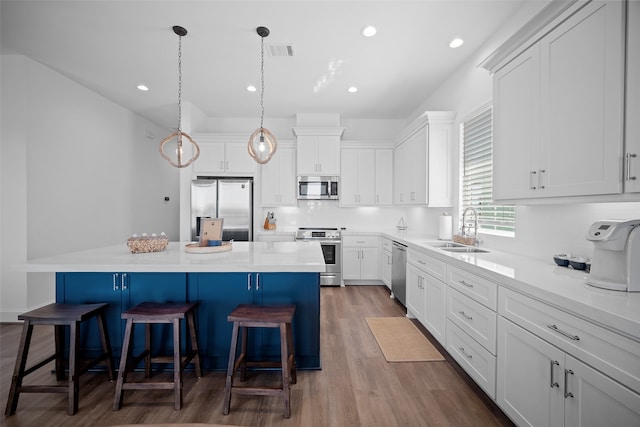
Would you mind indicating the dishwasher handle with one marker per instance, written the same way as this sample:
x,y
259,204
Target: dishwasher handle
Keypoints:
x,y
399,246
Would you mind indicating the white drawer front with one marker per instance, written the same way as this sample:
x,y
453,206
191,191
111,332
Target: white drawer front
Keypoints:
x,y
430,265
386,245
475,319
475,287
360,241
474,359
611,353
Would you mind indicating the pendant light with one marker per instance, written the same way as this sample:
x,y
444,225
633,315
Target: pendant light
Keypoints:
x,y
262,144
179,135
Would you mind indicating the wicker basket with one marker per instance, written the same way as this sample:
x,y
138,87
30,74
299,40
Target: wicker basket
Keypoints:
x,y
140,245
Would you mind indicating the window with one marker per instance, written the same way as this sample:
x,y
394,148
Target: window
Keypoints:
x,y
477,175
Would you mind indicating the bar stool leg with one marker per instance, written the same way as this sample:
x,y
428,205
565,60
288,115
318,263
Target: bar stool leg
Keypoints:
x,y
230,370
191,325
18,372
122,372
74,383
243,353
106,346
58,334
291,356
284,357
177,365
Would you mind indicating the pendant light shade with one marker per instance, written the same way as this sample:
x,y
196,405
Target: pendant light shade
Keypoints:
x,y
262,144
176,156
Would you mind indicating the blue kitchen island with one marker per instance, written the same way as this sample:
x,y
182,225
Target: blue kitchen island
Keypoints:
x,y
268,273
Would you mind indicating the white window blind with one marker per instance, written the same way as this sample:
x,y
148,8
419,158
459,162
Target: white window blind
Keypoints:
x,y
477,176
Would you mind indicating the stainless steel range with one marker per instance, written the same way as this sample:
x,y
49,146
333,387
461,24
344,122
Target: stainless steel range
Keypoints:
x,y
331,241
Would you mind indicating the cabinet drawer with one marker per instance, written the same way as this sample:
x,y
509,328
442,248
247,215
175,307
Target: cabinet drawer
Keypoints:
x,y
475,319
475,287
360,241
474,359
386,245
428,264
611,353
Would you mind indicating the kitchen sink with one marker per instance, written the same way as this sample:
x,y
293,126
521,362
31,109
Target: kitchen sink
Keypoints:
x,y
465,249
444,245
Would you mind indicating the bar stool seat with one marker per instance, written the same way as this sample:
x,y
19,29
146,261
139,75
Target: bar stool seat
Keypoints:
x,y
60,316
149,313
255,316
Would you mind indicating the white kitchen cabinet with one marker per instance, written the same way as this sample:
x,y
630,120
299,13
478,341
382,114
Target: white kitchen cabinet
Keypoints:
x,y
423,163
540,385
386,261
220,157
632,133
365,177
426,292
360,258
318,151
278,179
558,110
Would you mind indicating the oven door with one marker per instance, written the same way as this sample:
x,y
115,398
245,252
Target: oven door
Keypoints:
x,y
333,260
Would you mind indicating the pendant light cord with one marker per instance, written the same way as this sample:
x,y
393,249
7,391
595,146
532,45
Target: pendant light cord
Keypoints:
x,y
179,83
261,82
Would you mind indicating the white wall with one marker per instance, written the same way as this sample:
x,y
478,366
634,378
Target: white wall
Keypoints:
x,y
78,171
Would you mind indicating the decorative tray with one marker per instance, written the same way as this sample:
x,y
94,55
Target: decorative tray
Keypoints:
x,y
195,248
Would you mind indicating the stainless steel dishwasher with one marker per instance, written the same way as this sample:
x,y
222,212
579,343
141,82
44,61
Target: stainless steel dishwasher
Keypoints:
x,y
399,272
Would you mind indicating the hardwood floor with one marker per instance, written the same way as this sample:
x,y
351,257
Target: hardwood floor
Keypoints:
x,y
356,386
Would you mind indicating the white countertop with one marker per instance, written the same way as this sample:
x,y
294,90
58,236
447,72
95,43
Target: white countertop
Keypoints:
x,y
262,257
561,287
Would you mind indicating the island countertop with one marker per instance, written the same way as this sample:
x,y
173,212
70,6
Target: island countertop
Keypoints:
x,y
244,257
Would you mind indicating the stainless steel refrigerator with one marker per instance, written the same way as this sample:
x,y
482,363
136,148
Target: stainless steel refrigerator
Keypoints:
x,y
228,198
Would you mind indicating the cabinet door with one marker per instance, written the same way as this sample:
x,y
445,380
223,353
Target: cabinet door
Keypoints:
x,y
516,114
366,177
529,380
415,292
593,399
349,177
211,159
435,307
582,85
350,263
418,168
386,268
238,160
384,177
278,178
369,264
307,155
401,174
91,288
328,154
632,135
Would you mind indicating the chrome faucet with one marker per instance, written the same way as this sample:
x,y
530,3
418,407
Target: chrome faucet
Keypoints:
x,y
475,225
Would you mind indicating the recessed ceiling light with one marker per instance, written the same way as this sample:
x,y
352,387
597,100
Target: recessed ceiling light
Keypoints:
x,y
457,42
251,88
352,89
142,88
369,31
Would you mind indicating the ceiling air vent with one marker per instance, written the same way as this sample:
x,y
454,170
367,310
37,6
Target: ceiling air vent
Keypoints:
x,y
280,49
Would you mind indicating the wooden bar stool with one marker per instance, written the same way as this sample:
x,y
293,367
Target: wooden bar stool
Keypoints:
x,y
59,315
254,316
150,313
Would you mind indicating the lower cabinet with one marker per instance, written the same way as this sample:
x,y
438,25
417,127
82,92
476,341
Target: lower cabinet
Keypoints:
x,y
219,293
360,258
540,385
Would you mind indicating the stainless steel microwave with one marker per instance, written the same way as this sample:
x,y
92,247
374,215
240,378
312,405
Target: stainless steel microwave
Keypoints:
x,y
318,187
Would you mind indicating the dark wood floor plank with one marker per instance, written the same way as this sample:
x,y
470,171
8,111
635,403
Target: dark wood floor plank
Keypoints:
x,y
356,386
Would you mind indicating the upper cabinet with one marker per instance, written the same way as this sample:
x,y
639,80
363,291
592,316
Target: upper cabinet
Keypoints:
x,y
318,151
365,177
278,178
632,135
223,154
423,163
559,104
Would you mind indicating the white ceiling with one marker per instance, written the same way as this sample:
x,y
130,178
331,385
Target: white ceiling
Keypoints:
x,y
112,46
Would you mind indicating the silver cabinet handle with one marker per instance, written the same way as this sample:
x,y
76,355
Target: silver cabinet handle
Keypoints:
x,y
468,285
123,281
629,157
465,315
561,332
567,393
257,281
361,241
540,184
553,383
116,287
221,165
226,165
248,282
532,178
467,355
422,262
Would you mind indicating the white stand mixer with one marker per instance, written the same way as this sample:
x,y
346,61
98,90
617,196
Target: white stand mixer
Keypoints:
x,y
616,259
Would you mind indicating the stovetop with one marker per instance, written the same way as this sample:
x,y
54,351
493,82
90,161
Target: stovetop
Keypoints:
x,y
318,233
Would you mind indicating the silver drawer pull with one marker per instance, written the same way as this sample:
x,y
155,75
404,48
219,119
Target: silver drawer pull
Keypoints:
x,y
465,315
553,383
567,393
422,262
467,355
561,332
468,285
